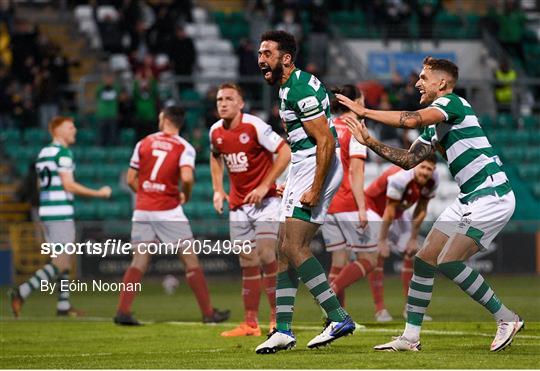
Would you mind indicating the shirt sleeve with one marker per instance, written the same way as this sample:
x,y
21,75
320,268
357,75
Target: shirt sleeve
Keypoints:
x,y
306,104
65,161
187,158
449,108
267,137
397,183
426,135
134,162
357,149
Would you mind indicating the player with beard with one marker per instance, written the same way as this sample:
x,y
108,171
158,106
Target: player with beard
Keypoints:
x,y
485,204
314,177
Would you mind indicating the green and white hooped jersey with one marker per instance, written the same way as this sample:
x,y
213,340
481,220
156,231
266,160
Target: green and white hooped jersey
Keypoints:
x,y
55,203
471,159
303,98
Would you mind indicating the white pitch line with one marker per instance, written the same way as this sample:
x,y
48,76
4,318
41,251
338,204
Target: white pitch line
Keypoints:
x,y
299,327
71,355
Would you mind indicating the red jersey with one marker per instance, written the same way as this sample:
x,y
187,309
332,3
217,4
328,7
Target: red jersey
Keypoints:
x,y
247,151
398,184
158,157
344,200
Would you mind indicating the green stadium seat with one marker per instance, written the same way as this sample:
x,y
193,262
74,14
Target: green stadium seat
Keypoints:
x,y
532,154
35,136
531,122
86,210
513,154
113,210
93,154
120,155
202,172
10,135
86,137
189,95
127,137
520,137
505,120
86,173
110,172
529,172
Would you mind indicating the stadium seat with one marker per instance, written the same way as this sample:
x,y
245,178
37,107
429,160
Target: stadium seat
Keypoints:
x,y
85,173
531,122
486,121
86,210
10,135
505,120
83,12
110,172
119,155
536,189
86,136
92,154
202,172
529,171
36,136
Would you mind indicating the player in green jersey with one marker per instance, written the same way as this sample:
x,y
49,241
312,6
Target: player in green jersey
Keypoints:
x,y
314,177
57,186
485,204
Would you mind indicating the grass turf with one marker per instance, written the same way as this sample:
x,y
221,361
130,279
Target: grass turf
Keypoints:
x,y
459,337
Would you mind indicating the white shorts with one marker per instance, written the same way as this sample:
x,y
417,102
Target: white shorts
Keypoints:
x,y
398,233
299,181
481,219
251,223
167,226
342,231
59,231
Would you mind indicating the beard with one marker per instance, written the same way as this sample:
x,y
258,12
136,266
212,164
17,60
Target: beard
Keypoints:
x,y
277,73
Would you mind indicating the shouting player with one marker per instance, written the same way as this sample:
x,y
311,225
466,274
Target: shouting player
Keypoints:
x,y
57,185
158,162
485,204
387,199
246,145
345,224
314,177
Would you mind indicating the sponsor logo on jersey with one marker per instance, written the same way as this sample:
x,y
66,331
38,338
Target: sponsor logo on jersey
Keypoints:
x,y
236,162
153,187
219,140
244,138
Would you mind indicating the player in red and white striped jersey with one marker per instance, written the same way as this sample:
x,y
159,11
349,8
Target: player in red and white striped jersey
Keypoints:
x,y
158,162
246,146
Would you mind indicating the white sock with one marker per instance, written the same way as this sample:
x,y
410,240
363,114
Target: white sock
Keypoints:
x,y
504,314
412,332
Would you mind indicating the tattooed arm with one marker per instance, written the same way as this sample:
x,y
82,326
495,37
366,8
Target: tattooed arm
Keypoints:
x,y
398,119
407,159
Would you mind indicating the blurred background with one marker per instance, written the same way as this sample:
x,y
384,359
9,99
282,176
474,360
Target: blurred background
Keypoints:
x,y
112,65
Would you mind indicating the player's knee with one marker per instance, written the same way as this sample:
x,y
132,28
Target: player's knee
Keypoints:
x,y
189,260
370,257
428,258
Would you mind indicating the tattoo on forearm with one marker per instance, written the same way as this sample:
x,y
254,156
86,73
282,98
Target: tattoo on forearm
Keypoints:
x,y
405,115
406,159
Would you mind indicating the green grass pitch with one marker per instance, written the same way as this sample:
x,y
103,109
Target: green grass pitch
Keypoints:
x,y
172,337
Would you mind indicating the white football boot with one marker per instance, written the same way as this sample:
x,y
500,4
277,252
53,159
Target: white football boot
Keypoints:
x,y
505,333
276,341
399,344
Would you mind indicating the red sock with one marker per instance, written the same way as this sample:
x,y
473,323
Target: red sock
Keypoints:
x,y
132,275
334,272
251,293
377,286
351,273
269,284
196,280
406,274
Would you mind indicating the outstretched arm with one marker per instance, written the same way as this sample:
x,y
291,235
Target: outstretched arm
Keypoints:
x,y
398,119
407,159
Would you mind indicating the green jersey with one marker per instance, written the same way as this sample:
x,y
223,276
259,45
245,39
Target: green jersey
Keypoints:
x,y
303,98
471,159
55,203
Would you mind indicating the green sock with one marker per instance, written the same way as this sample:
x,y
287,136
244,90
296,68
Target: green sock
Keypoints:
x,y
472,282
286,286
48,273
420,289
312,274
